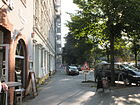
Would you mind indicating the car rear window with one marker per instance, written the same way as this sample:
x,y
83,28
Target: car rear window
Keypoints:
x,y
73,67
107,67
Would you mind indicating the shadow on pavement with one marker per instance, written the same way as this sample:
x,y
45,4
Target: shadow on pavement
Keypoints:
x,y
119,95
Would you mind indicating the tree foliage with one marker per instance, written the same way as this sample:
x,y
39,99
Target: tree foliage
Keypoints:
x,y
104,22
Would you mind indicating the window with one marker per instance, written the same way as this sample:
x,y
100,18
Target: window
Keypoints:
x,y
20,63
58,45
58,37
20,49
42,57
1,37
58,30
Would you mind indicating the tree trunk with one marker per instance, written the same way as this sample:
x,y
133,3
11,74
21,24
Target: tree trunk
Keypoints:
x,y
135,52
136,62
112,59
107,54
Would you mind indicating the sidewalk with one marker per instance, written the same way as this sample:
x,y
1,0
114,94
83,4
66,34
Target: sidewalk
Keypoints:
x,y
69,90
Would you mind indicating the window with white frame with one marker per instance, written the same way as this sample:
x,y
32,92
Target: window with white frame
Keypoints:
x,y
42,63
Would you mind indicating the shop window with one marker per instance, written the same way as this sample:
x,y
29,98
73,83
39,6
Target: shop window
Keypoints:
x,y
20,63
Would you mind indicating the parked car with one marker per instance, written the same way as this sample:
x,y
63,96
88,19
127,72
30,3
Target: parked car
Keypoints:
x,y
129,74
132,75
105,68
72,70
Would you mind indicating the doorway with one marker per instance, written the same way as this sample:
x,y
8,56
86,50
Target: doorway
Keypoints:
x,y
20,63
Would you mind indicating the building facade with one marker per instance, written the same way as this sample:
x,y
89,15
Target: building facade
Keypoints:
x,y
27,40
43,39
58,36
16,22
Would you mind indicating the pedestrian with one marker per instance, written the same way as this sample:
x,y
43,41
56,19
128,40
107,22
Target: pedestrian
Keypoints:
x,y
3,86
99,80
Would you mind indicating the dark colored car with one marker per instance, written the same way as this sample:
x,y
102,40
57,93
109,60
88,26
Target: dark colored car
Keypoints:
x,y
105,68
132,75
72,70
128,73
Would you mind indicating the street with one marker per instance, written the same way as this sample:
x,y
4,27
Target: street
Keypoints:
x,y
69,90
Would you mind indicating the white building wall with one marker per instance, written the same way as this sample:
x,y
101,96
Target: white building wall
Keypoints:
x,y
58,36
21,17
35,20
44,14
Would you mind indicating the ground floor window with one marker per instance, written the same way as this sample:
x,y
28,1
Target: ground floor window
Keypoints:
x,y
20,63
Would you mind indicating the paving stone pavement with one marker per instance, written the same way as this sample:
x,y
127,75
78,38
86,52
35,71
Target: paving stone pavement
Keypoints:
x,y
69,90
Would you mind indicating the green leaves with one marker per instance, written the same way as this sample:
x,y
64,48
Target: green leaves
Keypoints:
x,y
98,20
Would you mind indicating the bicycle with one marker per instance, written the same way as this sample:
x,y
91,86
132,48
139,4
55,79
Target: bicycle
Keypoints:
x,y
103,82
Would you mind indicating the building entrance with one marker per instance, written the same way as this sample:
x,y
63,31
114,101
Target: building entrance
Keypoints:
x,y
20,63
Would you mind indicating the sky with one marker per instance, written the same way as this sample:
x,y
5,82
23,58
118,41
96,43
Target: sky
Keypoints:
x,y
70,7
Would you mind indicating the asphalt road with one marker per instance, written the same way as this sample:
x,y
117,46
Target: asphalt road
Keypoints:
x,y
69,90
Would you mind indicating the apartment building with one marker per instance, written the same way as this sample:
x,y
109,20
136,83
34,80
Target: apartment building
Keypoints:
x,y
27,40
16,22
58,36
43,39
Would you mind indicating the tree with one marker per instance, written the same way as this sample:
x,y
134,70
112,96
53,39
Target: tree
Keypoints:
x,y
116,16
76,50
135,47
